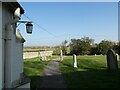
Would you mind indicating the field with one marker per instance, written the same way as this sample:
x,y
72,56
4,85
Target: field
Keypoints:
x,y
91,73
36,49
55,49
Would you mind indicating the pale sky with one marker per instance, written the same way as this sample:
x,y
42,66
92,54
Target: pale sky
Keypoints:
x,y
67,20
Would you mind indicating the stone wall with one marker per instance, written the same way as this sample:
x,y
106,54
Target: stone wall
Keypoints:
x,y
36,54
30,55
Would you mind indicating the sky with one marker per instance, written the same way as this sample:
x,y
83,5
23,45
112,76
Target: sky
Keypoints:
x,y
69,20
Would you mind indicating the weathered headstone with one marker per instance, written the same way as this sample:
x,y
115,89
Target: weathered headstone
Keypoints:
x,y
117,57
43,58
112,60
43,55
61,55
74,61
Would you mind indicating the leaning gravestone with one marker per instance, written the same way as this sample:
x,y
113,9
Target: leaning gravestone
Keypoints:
x,y
112,60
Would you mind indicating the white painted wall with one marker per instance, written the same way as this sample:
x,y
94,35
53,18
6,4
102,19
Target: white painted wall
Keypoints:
x,y
6,17
11,52
7,60
17,62
1,67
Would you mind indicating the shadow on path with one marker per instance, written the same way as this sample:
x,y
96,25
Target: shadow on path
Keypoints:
x,y
52,76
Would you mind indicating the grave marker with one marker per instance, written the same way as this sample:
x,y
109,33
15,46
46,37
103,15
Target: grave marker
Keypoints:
x,y
43,55
74,61
61,55
117,57
112,60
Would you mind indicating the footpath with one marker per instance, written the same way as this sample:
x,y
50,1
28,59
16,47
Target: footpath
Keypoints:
x,y
52,76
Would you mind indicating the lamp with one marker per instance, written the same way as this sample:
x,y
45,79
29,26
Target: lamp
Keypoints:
x,y
29,25
29,28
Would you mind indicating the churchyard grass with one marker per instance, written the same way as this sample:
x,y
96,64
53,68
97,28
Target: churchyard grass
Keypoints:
x,y
33,68
91,73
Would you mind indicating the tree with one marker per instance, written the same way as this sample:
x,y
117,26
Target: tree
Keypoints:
x,y
64,47
94,50
104,46
115,48
64,43
86,43
75,46
81,46
56,50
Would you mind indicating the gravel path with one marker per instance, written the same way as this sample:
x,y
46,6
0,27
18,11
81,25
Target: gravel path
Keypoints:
x,y
52,76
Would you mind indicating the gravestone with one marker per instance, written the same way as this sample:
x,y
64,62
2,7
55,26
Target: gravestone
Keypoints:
x,y
43,55
117,57
74,61
112,60
43,58
61,55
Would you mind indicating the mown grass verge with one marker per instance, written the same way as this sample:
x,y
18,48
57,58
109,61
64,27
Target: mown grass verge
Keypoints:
x,y
91,73
33,68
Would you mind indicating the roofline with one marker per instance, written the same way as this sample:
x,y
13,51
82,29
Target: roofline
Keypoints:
x,y
13,6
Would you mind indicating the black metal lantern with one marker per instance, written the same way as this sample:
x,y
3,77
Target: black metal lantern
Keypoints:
x,y
29,27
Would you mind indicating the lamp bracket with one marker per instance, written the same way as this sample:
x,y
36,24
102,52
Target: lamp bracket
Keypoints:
x,y
24,21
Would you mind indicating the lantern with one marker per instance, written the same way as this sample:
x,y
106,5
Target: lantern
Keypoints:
x,y
29,28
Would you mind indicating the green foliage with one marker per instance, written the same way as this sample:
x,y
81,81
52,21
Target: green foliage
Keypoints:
x,y
64,47
104,46
64,43
116,48
81,46
56,50
84,46
90,73
95,50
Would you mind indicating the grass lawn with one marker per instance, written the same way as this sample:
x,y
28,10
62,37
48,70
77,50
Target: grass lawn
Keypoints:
x,y
91,73
33,68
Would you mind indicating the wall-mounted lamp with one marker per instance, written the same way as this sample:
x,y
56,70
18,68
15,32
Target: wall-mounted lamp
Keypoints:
x,y
29,26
